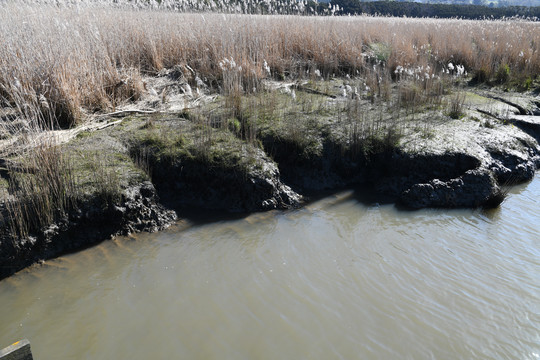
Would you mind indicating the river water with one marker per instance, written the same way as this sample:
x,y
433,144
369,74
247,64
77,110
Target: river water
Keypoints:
x,y
338,279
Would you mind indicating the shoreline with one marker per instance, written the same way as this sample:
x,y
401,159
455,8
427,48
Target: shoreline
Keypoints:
x,y
170,160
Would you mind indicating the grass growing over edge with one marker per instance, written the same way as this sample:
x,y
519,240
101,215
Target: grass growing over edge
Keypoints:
x,y
43,190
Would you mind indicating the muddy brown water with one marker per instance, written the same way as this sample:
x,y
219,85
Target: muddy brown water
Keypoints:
x,y
339,279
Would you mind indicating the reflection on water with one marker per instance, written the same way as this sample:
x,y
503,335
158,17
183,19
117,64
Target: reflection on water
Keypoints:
x,y
337,279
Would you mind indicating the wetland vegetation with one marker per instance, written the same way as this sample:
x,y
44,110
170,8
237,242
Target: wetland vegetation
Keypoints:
x,y
103,108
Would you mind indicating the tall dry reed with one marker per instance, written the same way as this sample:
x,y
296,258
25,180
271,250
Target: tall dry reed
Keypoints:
x,y
59,62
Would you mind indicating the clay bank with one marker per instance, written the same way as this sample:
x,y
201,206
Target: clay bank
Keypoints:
x,y
176,150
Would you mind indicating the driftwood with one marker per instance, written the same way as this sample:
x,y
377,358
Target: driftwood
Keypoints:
x,y
101,127
122,113
56,137
313,91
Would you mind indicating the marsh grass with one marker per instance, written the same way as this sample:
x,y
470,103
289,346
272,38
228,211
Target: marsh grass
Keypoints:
x,y
43,190
48,181
200,144
105,179
48,184
141,158
371,133
456,105
59,63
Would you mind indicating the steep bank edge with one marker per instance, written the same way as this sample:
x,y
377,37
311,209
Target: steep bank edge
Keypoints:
x,y
138,210
465,174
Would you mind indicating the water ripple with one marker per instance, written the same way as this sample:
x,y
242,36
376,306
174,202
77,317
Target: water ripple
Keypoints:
x,y
337,279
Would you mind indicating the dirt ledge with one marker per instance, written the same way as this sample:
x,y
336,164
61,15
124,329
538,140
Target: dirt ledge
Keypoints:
x,y
138,210
204,164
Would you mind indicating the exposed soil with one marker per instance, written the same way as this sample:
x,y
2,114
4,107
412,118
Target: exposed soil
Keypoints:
x,y
179,147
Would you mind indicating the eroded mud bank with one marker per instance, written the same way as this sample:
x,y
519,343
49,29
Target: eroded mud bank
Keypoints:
x,y
253,159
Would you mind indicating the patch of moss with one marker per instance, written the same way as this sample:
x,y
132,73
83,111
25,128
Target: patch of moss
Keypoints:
x,y
83,134
101,166
4,186
169,145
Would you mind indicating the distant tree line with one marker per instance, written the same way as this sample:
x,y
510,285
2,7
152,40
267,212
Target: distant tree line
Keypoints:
x,y
414,9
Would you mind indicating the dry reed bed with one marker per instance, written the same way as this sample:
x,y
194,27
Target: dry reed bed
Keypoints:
x,y
57,63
